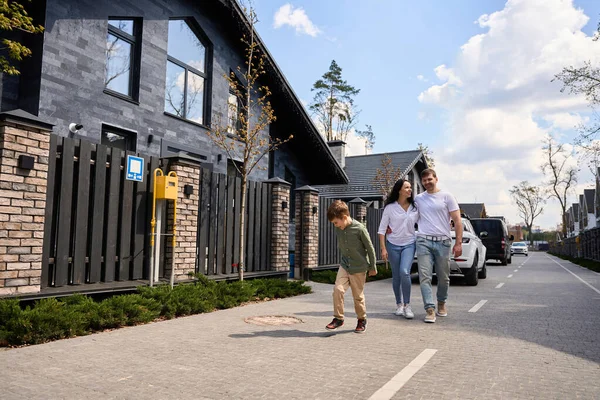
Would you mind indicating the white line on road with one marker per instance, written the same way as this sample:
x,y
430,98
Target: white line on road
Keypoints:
x,y
477,306
516,270
388,390
500,285
510,276
591,287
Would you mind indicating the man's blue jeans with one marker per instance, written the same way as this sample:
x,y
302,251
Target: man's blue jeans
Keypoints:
x,y
401,259
430,254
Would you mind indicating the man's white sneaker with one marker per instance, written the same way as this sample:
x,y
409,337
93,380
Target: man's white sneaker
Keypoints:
x,y
408,314
400,310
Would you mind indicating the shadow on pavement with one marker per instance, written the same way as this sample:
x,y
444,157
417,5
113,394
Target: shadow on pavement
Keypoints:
x,y
284,333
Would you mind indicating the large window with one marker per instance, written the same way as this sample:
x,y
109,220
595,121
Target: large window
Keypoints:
x,y
123,57
187,76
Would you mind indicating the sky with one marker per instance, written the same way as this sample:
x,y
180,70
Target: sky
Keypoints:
x,y
470,79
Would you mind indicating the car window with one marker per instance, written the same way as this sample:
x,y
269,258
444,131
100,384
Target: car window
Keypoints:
x,y
493,227
467,226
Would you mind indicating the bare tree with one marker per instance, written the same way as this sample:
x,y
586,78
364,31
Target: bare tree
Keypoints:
x,y
254,114
428,154
386,176
561,177
530,202
368,136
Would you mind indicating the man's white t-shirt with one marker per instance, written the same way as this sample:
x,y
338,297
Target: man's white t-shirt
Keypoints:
x,y
434,213
402,224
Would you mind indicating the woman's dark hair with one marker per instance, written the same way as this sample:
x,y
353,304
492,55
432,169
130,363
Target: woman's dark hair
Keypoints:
x,y
395,193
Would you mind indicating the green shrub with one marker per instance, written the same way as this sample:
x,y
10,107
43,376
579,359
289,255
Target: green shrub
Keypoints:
x,y
233,294
278,289
130,309
329,276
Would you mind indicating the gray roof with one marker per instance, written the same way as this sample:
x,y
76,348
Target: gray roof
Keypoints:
x,y
473,210
589,199
361,170
575,211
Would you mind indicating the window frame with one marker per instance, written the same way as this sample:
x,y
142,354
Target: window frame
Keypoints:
x,y
131,137
135,40
206,75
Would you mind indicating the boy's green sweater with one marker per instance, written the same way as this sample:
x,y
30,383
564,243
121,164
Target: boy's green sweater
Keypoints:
x,y
357,251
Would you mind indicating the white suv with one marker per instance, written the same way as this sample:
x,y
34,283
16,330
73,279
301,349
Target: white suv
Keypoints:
x,y
519,248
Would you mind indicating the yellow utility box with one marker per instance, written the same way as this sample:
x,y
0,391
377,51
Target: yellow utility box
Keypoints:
x,y
166,187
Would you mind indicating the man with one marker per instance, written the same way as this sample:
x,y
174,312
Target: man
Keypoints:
x,y
436,209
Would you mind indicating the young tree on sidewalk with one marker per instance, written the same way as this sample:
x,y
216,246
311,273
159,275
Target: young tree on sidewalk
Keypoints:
x,y
561,177
530,202
245,136
386,176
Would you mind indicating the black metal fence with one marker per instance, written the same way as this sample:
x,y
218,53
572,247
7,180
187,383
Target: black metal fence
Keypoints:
x,y
585,245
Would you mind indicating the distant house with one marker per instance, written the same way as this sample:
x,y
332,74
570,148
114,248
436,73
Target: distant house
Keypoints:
x,y
573,220
362,170
473,210
588,218
516,231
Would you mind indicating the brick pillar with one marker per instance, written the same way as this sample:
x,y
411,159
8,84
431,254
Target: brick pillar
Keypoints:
x,y
360,207
307,230
280,224
183,257
22,200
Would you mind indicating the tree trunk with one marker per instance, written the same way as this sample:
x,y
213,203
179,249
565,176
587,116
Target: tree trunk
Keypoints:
x,y
530,229
241,264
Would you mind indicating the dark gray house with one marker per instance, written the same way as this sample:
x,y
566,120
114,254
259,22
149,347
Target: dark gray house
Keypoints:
x,y
473,210
148,76
362,171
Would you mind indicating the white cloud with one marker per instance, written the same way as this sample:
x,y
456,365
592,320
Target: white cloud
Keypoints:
x,y
422,78
296,18
499,99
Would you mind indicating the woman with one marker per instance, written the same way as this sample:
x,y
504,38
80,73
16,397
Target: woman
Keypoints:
x,y
400,214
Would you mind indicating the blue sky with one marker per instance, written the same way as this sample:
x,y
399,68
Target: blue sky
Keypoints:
x,y
483,113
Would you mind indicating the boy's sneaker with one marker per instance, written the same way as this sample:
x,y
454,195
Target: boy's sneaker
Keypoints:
x,y
442,310
400,310
361,326
336,323
408,313
430,317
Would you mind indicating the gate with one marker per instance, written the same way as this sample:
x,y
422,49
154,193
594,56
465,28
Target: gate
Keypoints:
x,y
97,222
219,225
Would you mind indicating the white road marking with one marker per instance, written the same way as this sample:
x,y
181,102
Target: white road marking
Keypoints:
x,y
590,286
388,390
516,270
500,285
477,306
510,276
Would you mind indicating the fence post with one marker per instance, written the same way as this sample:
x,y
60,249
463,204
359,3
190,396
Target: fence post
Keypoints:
x,y
183,257
24,151
307,230
361,209
280,224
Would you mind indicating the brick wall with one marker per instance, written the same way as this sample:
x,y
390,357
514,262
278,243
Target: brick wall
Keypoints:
x,y
22,206
280,228
183,258
307,229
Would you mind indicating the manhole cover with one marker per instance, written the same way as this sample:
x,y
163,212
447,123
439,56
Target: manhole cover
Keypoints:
x,y
274,320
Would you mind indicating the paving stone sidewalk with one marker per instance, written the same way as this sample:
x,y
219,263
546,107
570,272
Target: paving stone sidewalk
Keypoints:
x,y
536,338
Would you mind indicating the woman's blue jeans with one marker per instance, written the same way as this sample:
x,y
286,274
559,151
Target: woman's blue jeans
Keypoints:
x,y
401,259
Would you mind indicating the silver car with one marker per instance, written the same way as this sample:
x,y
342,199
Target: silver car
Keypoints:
x,y
519,248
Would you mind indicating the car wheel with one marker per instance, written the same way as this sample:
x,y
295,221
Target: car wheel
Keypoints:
x,y
526,255
472,278
483,272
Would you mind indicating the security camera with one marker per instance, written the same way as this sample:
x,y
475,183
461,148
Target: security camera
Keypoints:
x,y
74,128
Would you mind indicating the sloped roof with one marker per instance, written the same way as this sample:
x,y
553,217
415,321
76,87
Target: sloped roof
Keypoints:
x,y
575,212
361,171
473,210
589,199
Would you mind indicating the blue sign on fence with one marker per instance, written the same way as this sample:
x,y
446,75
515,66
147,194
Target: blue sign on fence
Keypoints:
x,y
135,169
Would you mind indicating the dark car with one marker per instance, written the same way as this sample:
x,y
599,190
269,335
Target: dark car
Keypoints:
x,y
494,235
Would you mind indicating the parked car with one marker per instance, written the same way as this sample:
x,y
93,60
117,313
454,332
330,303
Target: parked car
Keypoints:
x,y
519,248
494,235
471,264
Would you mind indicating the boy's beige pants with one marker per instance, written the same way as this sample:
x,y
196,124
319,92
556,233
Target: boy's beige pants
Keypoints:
x,y
356,282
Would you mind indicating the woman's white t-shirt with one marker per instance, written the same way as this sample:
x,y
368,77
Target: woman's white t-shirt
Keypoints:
x,y
402,224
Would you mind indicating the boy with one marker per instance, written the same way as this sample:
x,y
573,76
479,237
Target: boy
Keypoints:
x,y
357,257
